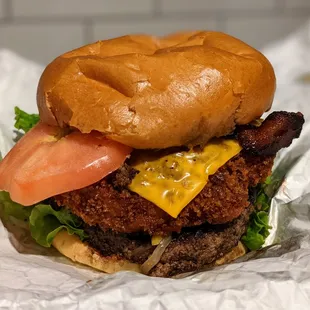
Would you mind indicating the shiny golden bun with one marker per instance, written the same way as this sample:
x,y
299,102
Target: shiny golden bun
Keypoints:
x,y
72,247
150,92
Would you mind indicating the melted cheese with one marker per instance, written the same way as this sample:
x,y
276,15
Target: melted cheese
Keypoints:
x,y
171,181
156,239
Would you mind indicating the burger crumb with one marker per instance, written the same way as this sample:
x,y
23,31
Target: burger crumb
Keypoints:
x,y
121,178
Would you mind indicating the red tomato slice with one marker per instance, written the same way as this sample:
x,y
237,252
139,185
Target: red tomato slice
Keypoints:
x,y
43,164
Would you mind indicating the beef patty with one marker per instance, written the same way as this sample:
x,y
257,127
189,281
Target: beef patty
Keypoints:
x,y
111,206
190,250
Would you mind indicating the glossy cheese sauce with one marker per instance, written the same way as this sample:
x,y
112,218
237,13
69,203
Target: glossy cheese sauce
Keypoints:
x,y
173,180
156,239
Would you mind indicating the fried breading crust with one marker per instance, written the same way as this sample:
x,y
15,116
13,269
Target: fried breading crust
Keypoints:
x,y
223,199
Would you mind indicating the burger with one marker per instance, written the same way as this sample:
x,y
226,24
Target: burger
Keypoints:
x,y
149,154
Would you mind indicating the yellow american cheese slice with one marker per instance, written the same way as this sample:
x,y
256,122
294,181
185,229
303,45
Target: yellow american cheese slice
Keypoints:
x,y
172,181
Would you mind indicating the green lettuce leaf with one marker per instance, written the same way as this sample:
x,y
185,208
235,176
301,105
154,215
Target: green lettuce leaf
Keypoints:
x,y
14,209
44,221
25,121
258,229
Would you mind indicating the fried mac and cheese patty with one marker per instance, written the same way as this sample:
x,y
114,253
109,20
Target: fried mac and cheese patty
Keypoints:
x,y
111,206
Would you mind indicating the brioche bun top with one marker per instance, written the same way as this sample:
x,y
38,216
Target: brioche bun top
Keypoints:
x,y
150,92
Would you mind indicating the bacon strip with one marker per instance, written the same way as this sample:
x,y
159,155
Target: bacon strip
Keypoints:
x,y
276,132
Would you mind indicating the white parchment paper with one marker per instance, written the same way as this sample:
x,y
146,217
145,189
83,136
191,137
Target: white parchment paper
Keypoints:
x,y
277,277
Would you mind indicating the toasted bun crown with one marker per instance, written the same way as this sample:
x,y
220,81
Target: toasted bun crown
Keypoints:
x,y
149,92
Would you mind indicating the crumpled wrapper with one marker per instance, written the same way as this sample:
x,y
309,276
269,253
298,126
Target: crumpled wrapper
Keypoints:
x,y
276,277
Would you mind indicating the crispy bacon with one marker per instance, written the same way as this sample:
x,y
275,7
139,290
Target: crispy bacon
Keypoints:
x,y
276,132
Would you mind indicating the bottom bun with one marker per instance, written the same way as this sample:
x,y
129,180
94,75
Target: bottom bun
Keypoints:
x,y
235,253
72,247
